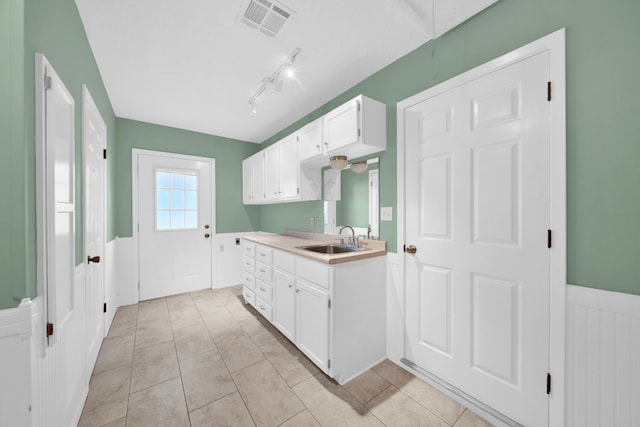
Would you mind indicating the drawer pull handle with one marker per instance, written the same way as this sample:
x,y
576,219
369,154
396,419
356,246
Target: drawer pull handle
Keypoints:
x,y
290,286
263,289
262,307
263,254
297,291
263,271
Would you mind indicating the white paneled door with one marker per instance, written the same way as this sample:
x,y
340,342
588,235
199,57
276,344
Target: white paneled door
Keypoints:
x,y
477,213
94,140
175,219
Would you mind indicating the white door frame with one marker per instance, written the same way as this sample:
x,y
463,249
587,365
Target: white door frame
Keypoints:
x,y
553,43
135,208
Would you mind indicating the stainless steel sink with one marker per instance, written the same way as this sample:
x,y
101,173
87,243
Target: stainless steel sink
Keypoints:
x,y
330,249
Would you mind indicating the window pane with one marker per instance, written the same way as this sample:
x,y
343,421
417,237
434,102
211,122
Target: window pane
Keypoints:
x,y
191,200
163,220
177,199
191,182
177,220
191,219
163,199
162,179
177,180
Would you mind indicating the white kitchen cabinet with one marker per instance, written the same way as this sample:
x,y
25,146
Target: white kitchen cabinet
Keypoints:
x,y
289,168
271,173
253,179
312,323
284,293
284,303
310,140
355,129
334,313
342,126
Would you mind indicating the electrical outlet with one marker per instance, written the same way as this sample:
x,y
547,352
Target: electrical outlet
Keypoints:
x,y
312,222
386,214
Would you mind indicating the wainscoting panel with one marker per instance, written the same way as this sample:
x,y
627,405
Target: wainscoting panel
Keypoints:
x,y
227,259
110,283
395,308
59,373
15,353
603,358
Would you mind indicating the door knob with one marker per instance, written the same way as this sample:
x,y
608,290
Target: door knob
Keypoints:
x,y
206,235
206,226
411,249
95,259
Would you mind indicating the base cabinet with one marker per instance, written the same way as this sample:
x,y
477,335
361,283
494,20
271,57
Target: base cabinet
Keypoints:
x,y
335,314
284,314
312,323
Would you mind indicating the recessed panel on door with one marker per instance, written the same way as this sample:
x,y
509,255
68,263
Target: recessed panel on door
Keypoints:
x,y
435,197
435,308
496,193
496,327
495,108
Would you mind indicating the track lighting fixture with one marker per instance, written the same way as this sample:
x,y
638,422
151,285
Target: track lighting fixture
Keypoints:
x,y
276,79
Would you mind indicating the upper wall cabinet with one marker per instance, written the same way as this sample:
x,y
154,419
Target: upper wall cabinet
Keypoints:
x,y
289,170
310,140
355,129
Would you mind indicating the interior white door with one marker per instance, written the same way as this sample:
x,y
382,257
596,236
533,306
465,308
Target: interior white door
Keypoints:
x,y
64,293
94,140
477,211
175,218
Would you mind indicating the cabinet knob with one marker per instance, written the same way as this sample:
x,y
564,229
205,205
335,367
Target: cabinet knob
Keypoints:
x,y
297,291
262,307
263,289
290,286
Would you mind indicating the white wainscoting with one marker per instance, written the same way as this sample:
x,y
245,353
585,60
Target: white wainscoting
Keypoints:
x,y
603,358
110,283
15,354
227,259
125,271
395,309
59,375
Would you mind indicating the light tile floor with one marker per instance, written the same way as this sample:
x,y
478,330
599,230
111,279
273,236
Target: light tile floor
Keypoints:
x,y
207,359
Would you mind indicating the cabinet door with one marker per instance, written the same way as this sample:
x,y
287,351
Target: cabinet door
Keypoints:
x,y
271,172
258,178
341,126
312,323
247,181
284,303
310,140
289,168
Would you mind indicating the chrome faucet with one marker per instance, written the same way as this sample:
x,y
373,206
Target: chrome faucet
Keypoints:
x,y
351,241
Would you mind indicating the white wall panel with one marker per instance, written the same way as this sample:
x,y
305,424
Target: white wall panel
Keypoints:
x,y
227,259
15,353
395,309
603,354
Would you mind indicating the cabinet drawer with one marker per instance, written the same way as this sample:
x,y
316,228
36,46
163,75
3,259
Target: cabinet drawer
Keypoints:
x,y
264,291
249,264
249,296
264,308
313,272
249,249
264,255
284,261
263,272
249,281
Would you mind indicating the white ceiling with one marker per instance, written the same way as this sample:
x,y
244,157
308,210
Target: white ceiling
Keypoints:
x,y
192,64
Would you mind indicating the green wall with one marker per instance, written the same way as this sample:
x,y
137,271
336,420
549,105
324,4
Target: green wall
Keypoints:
x,y
231,214
603,132
54,29
13,268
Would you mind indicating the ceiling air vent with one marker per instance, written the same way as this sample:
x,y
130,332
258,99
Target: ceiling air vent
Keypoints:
x,y
266,16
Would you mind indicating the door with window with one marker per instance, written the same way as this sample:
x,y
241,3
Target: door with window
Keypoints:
x,y
175,224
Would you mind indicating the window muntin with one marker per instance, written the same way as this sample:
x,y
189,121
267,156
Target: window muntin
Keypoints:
x,y
176,200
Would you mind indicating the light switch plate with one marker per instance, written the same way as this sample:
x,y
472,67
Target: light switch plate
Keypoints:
x,y
386,214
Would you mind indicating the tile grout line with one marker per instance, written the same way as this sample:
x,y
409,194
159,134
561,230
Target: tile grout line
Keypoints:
x,y
229,372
